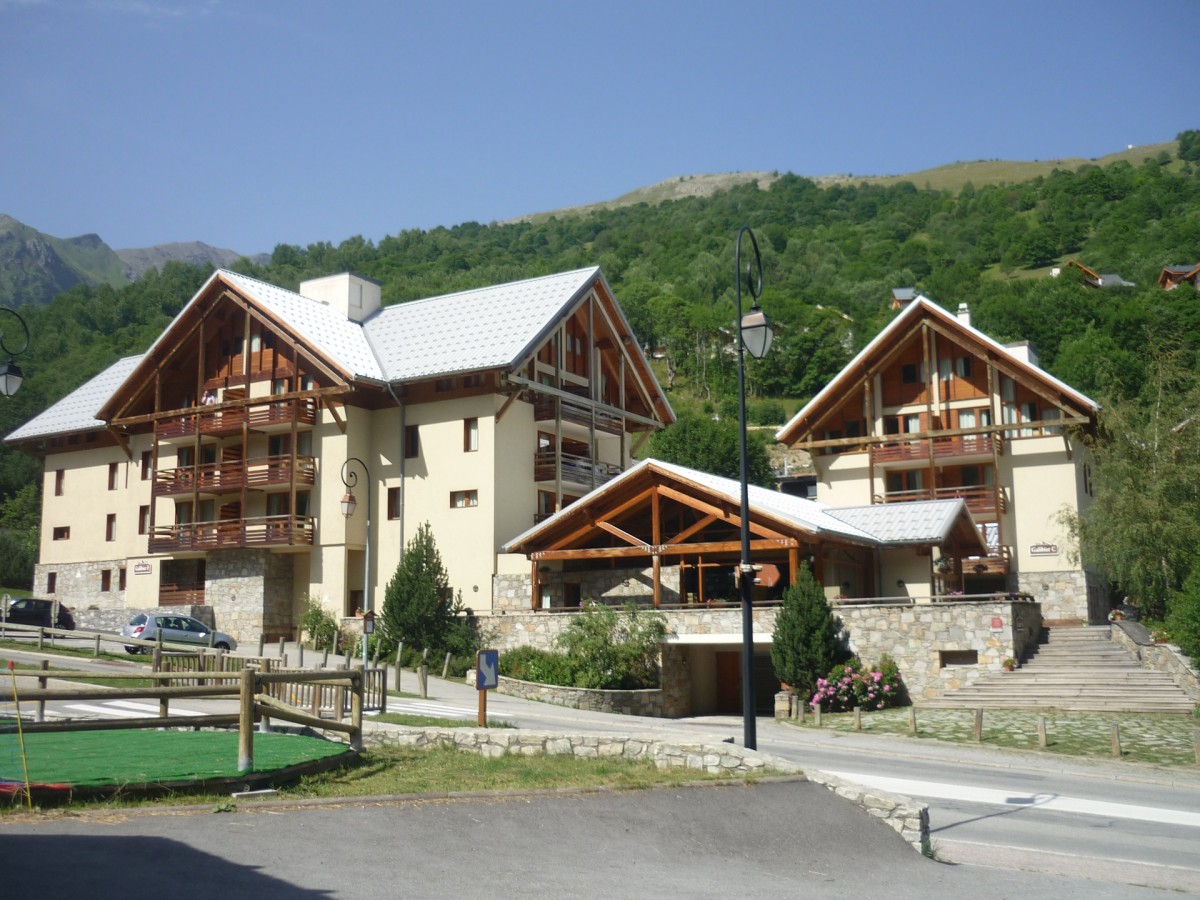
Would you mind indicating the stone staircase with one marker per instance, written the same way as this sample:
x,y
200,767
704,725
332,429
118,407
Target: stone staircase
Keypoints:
x,y
1073,669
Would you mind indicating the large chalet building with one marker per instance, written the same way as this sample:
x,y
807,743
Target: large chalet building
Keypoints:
x,y
932,408
210,470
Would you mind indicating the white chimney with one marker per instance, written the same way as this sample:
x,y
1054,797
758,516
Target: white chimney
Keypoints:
x,y
1023,351
353,296
964,314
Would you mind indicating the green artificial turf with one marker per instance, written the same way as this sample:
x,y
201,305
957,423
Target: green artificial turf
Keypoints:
x,y
150,757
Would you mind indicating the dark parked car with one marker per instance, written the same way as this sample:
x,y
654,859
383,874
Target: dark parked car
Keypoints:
x,y
175,629
31,611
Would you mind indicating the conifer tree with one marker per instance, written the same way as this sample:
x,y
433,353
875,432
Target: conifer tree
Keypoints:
x,y
806,644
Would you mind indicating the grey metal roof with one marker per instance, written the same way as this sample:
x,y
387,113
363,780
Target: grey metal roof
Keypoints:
x,y
327,330
919,522
77,410
916,522
485,328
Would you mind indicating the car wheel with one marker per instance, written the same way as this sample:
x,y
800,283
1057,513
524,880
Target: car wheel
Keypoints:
x,y
221,645
133,650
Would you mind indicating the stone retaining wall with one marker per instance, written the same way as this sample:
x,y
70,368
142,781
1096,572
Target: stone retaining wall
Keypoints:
x,y
907,817
630,703
113,620
1166,658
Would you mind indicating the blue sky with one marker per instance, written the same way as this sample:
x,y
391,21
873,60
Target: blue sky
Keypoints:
x,y
249,123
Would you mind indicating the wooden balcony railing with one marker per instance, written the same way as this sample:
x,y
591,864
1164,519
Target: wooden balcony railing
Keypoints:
x,y
577,413
230,477
575,469
999,562
943,448
265,531
181,594
981,501
257,414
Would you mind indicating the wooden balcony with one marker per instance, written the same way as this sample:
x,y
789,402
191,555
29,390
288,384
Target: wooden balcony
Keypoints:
x,y
985,502
181,594
262,415
576,413
231,477
944,448
232,534
578,470
997,563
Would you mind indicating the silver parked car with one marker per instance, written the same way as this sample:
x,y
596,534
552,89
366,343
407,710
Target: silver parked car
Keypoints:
x,y
175,629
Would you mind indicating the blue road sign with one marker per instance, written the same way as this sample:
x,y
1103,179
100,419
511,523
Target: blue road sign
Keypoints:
x,y
487,669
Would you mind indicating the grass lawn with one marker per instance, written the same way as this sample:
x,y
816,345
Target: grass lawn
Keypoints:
x,y
149,757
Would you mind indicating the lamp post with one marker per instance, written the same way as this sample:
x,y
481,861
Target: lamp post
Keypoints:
x,y
755,333
11,375
349,504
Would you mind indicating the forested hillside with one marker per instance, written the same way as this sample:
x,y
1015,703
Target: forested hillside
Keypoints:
x,y
831,256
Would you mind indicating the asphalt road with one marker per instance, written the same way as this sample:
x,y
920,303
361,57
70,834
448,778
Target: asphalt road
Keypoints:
x,y
1120,822
770,840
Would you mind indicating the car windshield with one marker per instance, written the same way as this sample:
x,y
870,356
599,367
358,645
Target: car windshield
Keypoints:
x,y
138,620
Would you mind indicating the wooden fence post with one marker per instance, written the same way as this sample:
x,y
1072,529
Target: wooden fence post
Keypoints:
x,y
1116,740
245,760
262,643
42,681
912,720
41,638
1041,732
858,718
817,715
979,725
446,665
96,652
358,684
399,656
1196,741
300,656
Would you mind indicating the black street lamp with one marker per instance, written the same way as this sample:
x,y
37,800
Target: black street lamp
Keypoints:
x,y
11,375
754,335
349,503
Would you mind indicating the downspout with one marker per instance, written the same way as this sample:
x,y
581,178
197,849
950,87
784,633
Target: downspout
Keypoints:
x,y
403,458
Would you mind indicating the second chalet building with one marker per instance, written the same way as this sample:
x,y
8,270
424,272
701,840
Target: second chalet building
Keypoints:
x,y
209,470
932,409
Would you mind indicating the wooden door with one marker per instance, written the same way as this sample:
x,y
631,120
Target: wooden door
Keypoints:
x,y
729,682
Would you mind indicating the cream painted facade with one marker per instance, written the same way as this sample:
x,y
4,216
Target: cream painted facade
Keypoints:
x,y
229,440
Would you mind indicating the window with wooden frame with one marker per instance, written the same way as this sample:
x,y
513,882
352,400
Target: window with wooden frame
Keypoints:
x,y
110,527
470,435
51,582
145,465
464,499
120,579
412,441
393,503
113,475
59,480
143,519
62,533
105,580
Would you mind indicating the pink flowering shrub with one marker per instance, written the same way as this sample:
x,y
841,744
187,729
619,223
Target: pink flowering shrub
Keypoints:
x,y
852,684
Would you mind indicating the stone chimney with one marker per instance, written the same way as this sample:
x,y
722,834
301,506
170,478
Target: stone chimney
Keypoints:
x,y
353,296
964,314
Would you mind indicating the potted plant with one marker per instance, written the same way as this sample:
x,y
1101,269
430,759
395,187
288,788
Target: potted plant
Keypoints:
x,y
1009,664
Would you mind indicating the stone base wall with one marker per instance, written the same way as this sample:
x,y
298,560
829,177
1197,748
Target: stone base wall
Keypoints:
x,y
907,817
1166,658
923,639
249,591
113,620
77,585
629,703
1069,594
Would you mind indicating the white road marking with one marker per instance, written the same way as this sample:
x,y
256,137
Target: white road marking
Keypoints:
x,y
105,711
943,791
151,708
420,708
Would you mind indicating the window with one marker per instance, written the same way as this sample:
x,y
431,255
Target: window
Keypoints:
x,y
958,658
470,435
462,499
105,580
110,527
412,441
59,478
962,366
443,384
143,520
393,503
51,582
120,579
112,476
62,533
145,465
